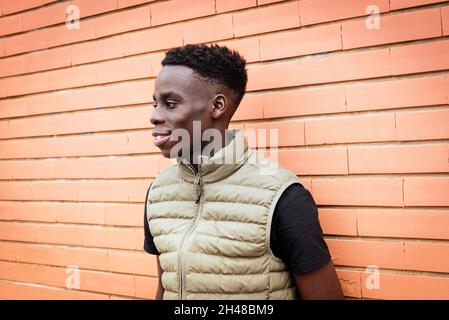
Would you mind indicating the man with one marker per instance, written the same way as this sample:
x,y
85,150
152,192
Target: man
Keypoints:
x,y
225,229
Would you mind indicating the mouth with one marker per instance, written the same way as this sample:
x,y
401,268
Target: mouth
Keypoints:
x,y
161,138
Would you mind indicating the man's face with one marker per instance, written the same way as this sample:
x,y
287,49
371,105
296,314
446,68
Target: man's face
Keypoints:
x,y
180,97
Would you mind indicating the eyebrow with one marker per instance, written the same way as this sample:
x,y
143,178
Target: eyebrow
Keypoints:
x,y
168,94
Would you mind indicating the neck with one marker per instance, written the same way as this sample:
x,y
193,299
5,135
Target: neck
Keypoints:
x,y
214,145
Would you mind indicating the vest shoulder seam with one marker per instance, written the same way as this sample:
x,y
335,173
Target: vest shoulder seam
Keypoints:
x,y
270,216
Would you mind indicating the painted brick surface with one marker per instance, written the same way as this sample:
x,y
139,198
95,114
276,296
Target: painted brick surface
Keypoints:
x,y
358,91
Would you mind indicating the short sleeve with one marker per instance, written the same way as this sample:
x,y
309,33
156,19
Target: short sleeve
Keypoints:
x,y
148,245
296,235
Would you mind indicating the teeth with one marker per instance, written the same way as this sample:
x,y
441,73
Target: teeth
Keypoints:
x,y
158,138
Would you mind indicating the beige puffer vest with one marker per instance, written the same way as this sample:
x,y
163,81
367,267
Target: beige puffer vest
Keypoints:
x,y
212,227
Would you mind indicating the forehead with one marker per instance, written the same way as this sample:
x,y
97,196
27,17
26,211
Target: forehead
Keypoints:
x,y
176,78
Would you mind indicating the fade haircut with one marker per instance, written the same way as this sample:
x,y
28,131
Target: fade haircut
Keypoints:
x,y
215,64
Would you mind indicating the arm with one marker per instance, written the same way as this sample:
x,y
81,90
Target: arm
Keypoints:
x,y
297,238
160,288
319,284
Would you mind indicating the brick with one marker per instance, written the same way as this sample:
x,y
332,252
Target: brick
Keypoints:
x,y
54,276
115,191
129,3
317,161
399,159
23,291
48,59
358,191
226,6
338,221
88,258
9,7
132,262
247,47
262,2
208,29
18,271
363,253
417,191
180,10
123,214
403,223
146,287
2,48
345,66
30,170
102,237
418,287
393,28
249,108
104,282
415,125
59,212
422,91
350,129
114,95
48,102
289,133
318,11
276,17
124,69
45,16
43,233
8,251
421,57
15,149
130,167
426,256
54,190
123,21
144,41
90,8
4,132
350,283
283,74
304,101
300,42
60,35
15,190
33,253
10,25
445,20
401,4
25,42
97,50
36,82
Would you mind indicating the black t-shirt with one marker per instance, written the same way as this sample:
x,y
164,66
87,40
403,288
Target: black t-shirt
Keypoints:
x,y
296,235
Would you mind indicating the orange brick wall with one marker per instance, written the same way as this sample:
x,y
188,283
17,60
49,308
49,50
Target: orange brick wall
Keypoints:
x,y
363,120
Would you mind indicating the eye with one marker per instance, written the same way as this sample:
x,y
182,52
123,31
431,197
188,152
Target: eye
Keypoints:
x,y
154,105
171,104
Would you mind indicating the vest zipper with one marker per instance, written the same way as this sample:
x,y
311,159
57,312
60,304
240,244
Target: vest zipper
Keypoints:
x,y
187,238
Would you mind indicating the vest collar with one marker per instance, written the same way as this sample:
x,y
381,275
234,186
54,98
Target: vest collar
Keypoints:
x,y
223,163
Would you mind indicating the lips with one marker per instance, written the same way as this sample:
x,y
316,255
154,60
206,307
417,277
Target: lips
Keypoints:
x,y
160,138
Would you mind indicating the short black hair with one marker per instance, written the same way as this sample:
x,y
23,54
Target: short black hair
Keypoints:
x,y
215,63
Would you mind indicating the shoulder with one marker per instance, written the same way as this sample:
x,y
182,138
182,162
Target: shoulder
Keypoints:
x,y
296,198
269,171
166,176
296,192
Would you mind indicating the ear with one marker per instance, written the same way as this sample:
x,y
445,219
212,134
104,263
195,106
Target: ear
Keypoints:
x,y
219,105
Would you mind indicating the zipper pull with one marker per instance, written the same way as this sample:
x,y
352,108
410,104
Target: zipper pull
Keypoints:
x,y
198,182
198,187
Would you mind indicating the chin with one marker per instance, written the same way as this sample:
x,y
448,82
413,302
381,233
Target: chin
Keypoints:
x,y
166,153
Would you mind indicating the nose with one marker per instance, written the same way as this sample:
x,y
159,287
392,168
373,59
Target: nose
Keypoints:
x,y
156,117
